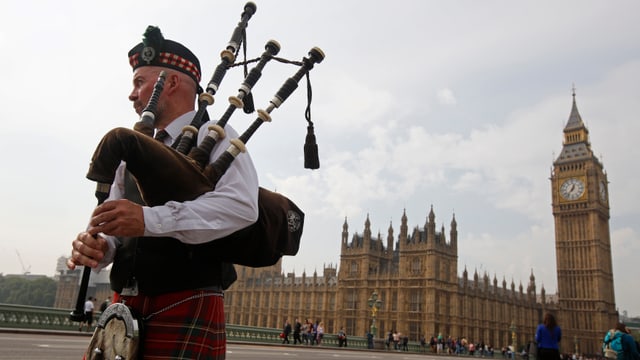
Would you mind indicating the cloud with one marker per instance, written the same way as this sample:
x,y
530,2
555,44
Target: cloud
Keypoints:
x,y
446,97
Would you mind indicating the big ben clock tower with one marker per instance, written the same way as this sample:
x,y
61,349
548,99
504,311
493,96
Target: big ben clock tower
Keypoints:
x,y
580,200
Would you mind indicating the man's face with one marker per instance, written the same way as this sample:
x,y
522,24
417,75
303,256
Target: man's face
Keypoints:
x,y
144,79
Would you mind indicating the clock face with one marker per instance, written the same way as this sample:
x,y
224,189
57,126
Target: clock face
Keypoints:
x,y
603,191
572,189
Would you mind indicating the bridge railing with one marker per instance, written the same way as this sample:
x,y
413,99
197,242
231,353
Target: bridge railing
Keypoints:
x,y
44,318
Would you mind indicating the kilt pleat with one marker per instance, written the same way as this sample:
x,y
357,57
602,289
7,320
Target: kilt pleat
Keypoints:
x,y
179,329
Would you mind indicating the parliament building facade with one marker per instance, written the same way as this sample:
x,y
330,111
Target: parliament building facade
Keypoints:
x,y
414,275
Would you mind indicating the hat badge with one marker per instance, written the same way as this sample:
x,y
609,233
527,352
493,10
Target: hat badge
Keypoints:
x,y
147,54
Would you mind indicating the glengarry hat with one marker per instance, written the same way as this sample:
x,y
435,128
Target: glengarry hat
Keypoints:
x,y
155,50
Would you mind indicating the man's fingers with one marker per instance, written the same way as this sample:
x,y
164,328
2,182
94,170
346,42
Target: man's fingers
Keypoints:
x,y
70,264
85,252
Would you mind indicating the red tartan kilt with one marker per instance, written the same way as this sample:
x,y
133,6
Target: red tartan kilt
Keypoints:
x,y
194,329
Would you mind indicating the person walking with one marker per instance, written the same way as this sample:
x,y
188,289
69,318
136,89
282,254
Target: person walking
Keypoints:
x,y
618,344
286,331
89,306
342,338
297,329
548,336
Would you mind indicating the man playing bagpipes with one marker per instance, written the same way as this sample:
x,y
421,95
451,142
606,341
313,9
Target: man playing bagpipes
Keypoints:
x,y
174,290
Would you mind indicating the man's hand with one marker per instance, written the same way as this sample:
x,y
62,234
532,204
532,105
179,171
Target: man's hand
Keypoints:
x,y
118,218
87,250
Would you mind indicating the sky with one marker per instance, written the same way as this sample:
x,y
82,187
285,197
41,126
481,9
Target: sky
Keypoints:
x,y
455,105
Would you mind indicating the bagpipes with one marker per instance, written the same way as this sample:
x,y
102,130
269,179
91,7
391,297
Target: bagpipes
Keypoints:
x,y
154,166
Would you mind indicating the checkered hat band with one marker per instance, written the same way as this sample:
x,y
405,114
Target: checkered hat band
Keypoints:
x,y
170,59
133,60
179,61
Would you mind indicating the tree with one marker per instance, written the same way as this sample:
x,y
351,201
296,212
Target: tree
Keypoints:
x,y
40,291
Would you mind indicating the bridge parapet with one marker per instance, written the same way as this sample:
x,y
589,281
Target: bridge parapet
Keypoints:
x,y
44,318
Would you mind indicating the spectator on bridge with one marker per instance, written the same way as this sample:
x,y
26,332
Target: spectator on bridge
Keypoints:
x,y
342,338
548,335
286,331
319,333
105,304
620,340
297,328
88,314
369,340
306,331
396,340
313,332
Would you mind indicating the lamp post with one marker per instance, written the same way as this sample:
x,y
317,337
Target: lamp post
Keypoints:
x,y
374,304
575,345
513,339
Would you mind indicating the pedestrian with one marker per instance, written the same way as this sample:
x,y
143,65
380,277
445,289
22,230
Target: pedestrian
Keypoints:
x,y
342,338
88,314
618,344
369,340
297,329
548,336
305,331
320,333
105,304
286,331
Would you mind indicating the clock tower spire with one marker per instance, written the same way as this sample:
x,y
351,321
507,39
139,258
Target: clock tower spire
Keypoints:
x,y
580,201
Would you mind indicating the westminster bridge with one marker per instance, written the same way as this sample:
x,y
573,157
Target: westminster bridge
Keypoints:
x,y
24,320
34,318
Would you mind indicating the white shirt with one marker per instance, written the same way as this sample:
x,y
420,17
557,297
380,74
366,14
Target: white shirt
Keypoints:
x,y
232,206
88,306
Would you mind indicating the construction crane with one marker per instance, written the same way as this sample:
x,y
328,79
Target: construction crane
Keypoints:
x,y
25,270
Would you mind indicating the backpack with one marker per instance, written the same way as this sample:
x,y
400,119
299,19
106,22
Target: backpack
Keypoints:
x,y
612,345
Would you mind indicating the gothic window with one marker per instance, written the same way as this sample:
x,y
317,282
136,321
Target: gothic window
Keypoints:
x,y
373,270
350,327
415,299
351,300
354,268
416,265
332,302
307,300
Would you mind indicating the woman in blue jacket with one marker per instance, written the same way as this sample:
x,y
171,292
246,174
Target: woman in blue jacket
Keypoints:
x,y
548,335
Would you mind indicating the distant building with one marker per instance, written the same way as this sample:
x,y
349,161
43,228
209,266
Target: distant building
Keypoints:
x,y
415,275
69,285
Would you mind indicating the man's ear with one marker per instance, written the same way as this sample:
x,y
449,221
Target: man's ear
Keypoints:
x,y
172,83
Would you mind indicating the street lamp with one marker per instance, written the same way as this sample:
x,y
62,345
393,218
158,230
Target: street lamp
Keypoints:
x,y
513,338
575,344
375,304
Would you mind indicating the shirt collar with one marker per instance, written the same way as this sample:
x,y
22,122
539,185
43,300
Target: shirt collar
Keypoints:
x,y
175,127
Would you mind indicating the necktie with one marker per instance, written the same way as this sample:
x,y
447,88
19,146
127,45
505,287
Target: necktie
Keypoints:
x,y
161,135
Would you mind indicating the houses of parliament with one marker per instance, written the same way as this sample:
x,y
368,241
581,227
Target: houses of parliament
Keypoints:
x,y
414,273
